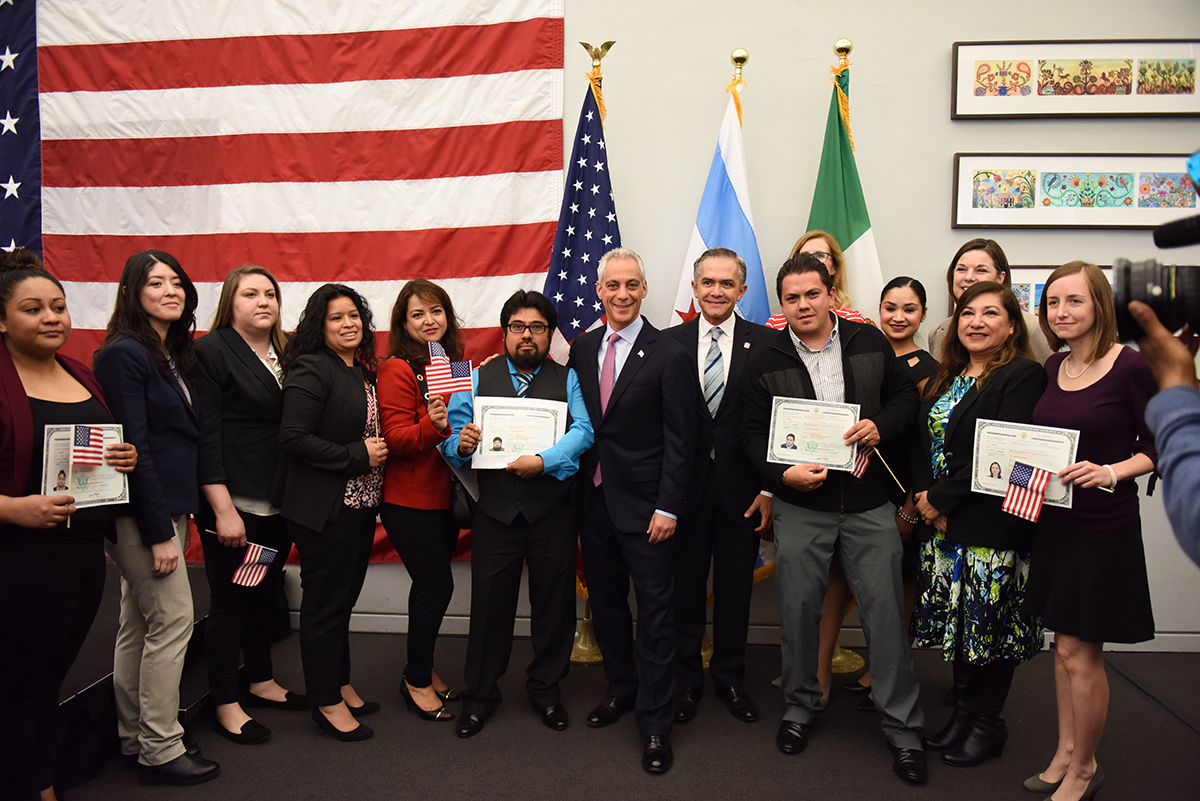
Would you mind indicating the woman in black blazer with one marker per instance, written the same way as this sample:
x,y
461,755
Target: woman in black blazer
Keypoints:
x,y
146,366
331,490
240,385
974,569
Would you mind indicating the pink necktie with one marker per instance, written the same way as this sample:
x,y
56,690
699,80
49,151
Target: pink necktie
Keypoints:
x,y
608,372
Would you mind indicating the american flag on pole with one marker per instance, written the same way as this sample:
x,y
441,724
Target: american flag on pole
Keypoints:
x,y
444,377
309,138
1026,490
587,229
254,565
87,446
862,459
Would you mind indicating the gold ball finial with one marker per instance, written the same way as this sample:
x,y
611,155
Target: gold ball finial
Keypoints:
x,y
739,57
843,47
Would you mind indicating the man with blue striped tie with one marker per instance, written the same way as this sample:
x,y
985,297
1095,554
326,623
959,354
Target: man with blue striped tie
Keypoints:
x,y
725,511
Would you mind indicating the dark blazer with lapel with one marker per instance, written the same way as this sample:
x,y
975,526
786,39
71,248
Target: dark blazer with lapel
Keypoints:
x,y
240,407
647,438
737,478
162,423
974,519
321,435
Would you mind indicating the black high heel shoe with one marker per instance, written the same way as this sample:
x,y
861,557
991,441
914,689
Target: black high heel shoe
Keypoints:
x,y
354,735
449,694
441,713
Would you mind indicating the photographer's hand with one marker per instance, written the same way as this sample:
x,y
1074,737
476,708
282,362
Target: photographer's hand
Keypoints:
x,y
1171,358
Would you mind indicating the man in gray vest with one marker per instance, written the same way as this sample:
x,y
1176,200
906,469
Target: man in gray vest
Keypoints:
x,y
526,514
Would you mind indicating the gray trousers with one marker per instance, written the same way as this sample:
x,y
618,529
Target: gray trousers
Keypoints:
x,y
870,549
156,624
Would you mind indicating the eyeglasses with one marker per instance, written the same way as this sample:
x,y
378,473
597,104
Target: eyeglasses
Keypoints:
x,y
534,328
822,256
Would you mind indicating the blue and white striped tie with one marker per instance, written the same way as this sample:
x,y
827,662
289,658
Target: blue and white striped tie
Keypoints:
x,y
714,374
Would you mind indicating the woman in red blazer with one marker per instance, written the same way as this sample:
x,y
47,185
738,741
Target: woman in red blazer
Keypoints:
x,y
416,487
51,554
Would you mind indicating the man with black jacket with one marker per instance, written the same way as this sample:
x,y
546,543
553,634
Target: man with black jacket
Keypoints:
x,y
816,511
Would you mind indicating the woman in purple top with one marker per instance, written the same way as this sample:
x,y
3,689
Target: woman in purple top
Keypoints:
x,y
1088,572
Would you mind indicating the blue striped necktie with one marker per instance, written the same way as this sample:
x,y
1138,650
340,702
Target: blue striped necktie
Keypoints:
x,y
714,374
524,380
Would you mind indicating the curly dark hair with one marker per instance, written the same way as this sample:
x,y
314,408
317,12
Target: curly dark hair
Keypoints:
x,y
17,266
401,345
310,331
130,321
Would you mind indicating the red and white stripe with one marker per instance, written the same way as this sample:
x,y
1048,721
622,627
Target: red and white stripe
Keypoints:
x,y
862,460
362,142
254,565
1026,502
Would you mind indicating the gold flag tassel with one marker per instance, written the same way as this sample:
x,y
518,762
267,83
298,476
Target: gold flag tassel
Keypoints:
x,y
739,58
842,47
594,76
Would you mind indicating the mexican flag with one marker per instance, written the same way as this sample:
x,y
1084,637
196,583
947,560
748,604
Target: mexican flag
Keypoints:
x,y
838,205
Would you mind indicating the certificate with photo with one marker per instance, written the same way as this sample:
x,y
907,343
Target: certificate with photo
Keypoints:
x,y
73,464
805,431
998,444
514,427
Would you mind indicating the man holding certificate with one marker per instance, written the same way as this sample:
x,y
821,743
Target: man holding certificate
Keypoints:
x,y
841,368
526,510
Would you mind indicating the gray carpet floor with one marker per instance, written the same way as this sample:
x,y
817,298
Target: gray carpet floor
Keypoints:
x,y
1151,749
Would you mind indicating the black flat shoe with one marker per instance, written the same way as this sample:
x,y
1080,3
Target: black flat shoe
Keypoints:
x,y
181,771
909,764
469,724
792,737
367,708
354,735
554,716
441,713
740,704
856,687
686,700
866,705
293,703
252,732
608,712
656,754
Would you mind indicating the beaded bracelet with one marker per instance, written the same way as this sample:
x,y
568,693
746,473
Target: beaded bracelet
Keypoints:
x,y
910,520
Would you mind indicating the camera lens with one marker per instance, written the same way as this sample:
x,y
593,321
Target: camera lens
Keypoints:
x,y
1173,292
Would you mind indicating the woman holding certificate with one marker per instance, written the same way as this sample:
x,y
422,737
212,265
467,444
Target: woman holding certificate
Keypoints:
x,y
51,573
240,386
416,490
974,569
334,456
1088,576
146,366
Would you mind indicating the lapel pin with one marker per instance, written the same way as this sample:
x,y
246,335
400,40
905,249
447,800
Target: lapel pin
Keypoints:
x,y
641,354
745,344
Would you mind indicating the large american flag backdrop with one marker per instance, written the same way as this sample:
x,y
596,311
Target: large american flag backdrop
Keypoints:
x,y
364,141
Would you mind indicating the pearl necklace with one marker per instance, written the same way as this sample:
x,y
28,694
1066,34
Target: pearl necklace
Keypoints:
x,y
1067,369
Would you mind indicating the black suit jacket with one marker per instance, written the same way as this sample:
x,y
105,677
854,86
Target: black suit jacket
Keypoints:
x,y
1008,394
162,423
240,407
321,435
646,439
738,480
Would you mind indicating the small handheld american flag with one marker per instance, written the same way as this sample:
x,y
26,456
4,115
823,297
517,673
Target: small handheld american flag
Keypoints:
x,y
444,377
254,566
87,446
862,459
1026,490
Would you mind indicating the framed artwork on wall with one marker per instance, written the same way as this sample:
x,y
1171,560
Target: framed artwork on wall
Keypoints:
x,y
1084,78
1028,281
1070,190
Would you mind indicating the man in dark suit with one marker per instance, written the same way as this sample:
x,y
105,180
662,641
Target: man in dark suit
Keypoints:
x,y
726,511
526,516
817,510
637,384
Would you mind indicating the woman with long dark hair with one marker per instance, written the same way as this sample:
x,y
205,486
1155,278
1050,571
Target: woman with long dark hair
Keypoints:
x,y
329,434
51,573
416,490
240,385
146,366
1088,577
974,569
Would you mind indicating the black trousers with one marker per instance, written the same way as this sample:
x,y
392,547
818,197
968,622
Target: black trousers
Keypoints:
x,y
50,589
708,536
240,619
333,565
497,554
611,558
425,540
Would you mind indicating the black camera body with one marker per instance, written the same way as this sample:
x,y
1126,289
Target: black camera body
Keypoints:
x,y
1173,292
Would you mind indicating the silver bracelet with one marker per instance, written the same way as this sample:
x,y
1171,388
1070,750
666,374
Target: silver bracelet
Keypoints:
x,y
910,520
1112,473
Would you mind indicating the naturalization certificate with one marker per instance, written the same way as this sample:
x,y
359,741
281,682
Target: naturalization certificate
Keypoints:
x,y
514,427
73,464
805,431
998,444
